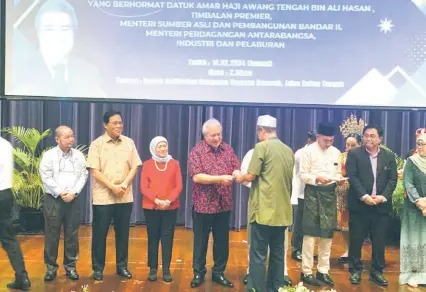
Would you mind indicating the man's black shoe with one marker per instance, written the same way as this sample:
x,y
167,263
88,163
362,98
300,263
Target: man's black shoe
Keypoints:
x,y
325,278
378,278
245,280
152,275
72,275
197,281
297,255
287,281
355,278
123,272
310,280
97,275
220,279
50,276
20,284
167,276
343,260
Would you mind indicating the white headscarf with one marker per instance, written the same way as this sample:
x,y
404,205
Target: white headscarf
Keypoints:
x,y
153,144
417,159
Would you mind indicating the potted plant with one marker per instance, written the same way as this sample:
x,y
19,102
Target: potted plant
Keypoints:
x,y
27,185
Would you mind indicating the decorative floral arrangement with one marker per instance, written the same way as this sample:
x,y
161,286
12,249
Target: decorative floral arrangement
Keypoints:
x,y
400,162
399,192
300,288
398,197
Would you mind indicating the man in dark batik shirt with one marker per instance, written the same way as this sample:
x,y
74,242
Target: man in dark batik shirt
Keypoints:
x,y
211,166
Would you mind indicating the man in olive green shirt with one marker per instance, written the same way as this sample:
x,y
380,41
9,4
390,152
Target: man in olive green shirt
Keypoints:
x,y
271,173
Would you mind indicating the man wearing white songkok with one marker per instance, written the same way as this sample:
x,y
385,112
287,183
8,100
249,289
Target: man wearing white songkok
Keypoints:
x,y
270,171
244,166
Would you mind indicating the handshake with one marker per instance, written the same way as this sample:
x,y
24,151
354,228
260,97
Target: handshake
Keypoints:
x,y
238,176
228,179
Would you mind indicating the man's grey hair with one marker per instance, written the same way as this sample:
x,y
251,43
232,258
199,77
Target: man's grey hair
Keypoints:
x,y
267,129
57,6
209,123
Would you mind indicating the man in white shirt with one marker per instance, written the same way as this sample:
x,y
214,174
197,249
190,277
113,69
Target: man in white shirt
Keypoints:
x,y
297,200
64,174
7,234
320,170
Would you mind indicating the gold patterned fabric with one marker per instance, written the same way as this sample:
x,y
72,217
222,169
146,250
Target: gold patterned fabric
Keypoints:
x,y
342,198
320,213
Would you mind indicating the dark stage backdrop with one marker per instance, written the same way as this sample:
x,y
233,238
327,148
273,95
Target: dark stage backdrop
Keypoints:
x,y
181,125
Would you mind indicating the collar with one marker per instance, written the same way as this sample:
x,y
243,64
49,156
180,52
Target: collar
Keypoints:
x,y
320,149
62,63
371,154
207,148
62,153
109,139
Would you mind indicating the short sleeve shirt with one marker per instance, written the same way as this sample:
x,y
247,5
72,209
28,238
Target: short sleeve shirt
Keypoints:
x,y
213,198
114,159
272,164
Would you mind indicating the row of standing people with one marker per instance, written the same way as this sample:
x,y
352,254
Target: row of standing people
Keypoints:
x,y
358,216
213,167
323,170
113,162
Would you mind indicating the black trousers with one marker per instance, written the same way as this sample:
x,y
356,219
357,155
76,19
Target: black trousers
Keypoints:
x,y
360,224
262,237
102,216
160,226
297,233
202,225
7,234
57,213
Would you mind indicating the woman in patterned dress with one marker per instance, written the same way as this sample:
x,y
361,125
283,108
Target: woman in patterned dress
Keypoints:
x,y
413,229
352,141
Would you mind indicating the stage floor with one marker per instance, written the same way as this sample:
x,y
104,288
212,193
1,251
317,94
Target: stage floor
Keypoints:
x,y
181,267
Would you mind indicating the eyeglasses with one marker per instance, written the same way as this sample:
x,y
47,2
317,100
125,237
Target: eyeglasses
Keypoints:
x,y
372,136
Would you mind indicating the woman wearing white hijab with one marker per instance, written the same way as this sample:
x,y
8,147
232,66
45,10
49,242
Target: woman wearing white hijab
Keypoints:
x,y
161,185
413,231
